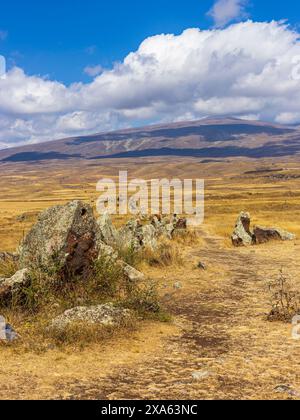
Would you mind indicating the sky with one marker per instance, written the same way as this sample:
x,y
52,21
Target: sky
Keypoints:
x,y
77,67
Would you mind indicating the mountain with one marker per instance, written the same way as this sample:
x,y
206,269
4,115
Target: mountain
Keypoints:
x,y
208,138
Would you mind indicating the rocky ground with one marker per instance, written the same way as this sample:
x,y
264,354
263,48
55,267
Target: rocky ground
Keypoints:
x,y
218,346
218,343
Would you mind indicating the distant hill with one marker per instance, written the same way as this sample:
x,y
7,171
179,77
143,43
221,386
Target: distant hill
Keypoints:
x,y
208,138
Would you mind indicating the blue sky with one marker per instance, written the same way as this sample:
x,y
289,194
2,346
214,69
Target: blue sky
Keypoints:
x,y
85,66
60,38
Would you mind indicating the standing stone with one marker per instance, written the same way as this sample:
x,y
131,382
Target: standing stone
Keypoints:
x,y
108,232
128,235
242,235
64,237
148,236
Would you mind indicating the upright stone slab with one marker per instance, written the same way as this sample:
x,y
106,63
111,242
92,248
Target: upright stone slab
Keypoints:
x,y
64,237
242,236
109,234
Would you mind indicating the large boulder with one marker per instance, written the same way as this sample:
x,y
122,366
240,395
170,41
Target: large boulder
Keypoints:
x,y
10,287
264,234
64,237
106,315
242,236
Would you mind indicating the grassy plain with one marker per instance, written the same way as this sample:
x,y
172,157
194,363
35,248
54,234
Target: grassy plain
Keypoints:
x,y
218,325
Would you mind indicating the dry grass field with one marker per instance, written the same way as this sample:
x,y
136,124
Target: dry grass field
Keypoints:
x,y
218,343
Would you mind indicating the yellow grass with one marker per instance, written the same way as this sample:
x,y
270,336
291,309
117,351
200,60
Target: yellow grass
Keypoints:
x,y
218,316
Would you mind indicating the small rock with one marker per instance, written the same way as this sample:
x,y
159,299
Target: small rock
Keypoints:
x,y
202,266
132,274
107,251
286,389
21,218
201,375
7,333
106,315
8,287
177,285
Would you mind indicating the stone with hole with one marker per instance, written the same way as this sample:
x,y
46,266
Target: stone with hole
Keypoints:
x,y
242,236
64,237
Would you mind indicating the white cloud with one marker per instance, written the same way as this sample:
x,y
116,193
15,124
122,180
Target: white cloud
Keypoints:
x,y
93,71
247,69
225,11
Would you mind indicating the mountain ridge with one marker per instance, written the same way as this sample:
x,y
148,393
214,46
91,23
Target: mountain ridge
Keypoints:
x,y
210,137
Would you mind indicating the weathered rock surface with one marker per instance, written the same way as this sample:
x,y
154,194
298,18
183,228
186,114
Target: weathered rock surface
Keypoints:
x,y
148,236
264,234
242,236
108,232
130,235
201,265
138,235
107,315
112,256
107,251
166,227
9,287
65,237
132,274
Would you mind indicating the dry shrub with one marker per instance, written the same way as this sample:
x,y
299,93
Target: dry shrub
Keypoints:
x,y
284,297
49,295
81,333
166,254
187,237
144,299
129,254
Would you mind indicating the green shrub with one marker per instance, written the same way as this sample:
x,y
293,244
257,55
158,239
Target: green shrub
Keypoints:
x,y
144,299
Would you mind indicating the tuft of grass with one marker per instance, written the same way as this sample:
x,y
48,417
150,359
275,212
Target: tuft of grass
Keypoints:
x,y
284,298
8,268
81,334
49,295
167,254
107,278
187,237
129,254
144,299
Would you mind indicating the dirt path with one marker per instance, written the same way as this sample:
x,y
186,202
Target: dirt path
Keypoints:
x,y
225,348
221,346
